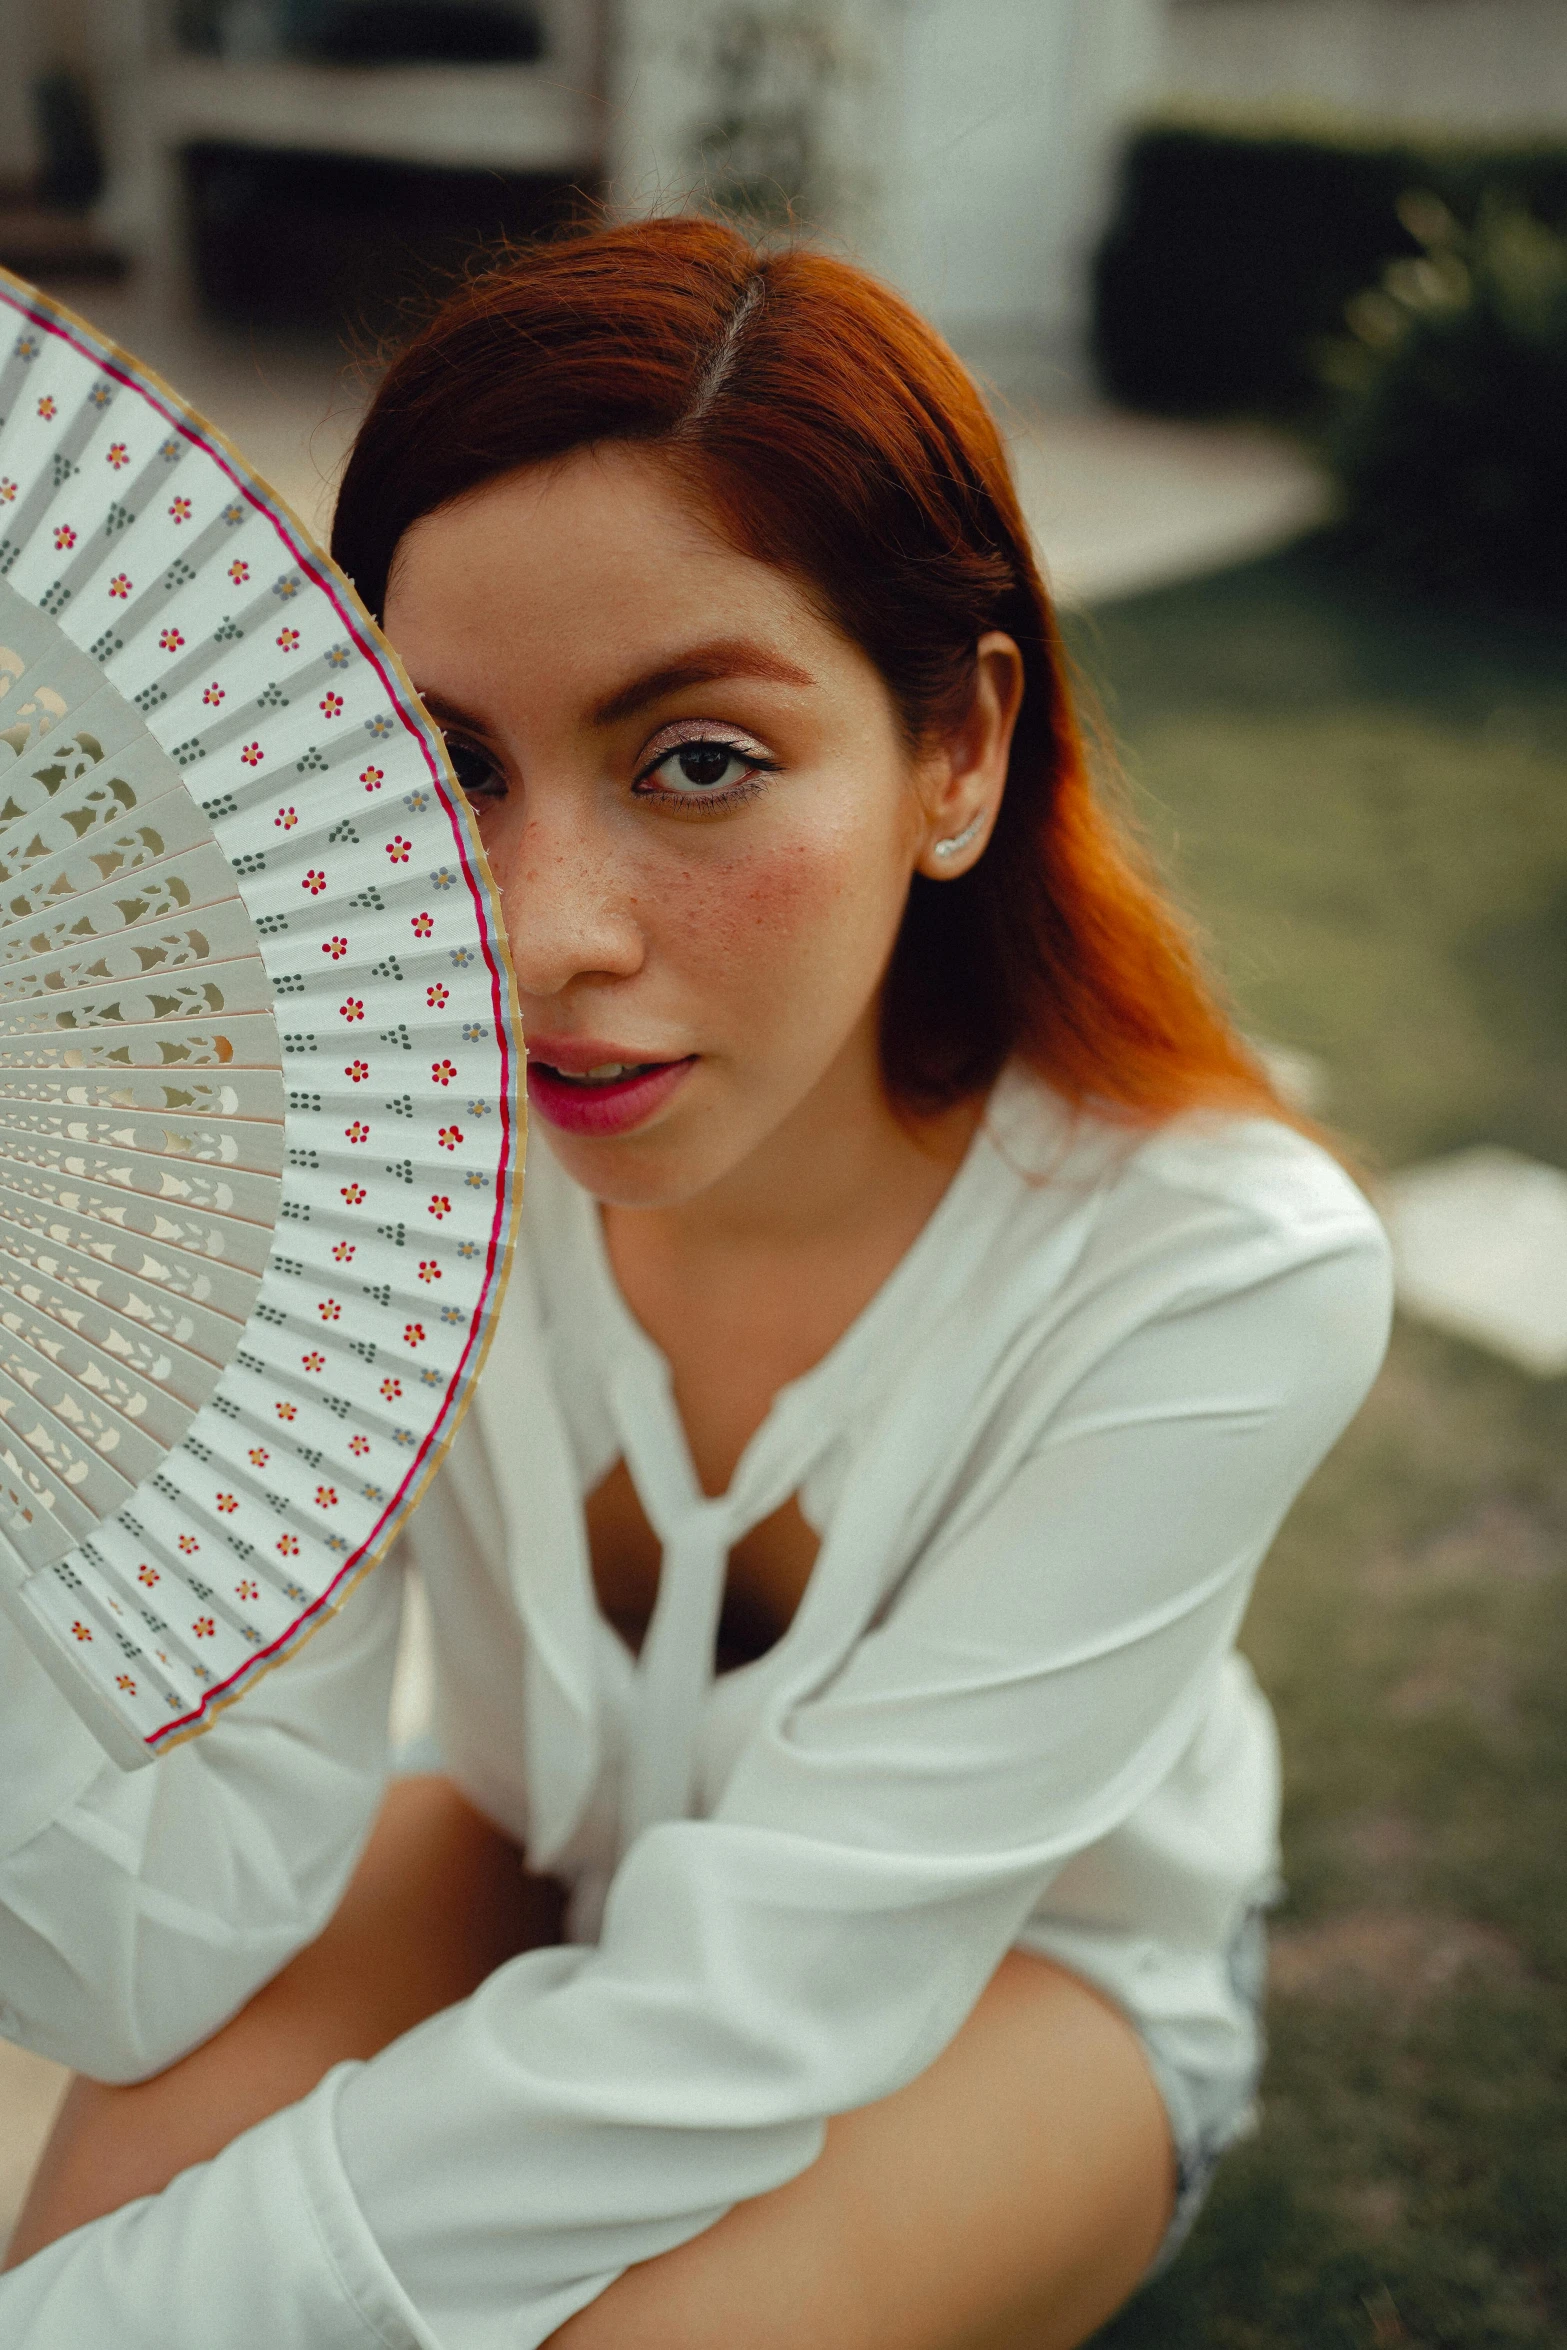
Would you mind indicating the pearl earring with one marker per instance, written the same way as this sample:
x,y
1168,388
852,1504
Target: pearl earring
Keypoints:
x,y
960,840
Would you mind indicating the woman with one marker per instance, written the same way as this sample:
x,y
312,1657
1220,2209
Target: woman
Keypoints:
x,y
924,1317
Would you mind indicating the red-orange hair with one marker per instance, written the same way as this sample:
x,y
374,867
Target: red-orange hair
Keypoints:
x,y
836,435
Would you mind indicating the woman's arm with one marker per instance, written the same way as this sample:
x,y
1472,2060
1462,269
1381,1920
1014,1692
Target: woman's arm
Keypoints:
x,y
816,1943
138,1911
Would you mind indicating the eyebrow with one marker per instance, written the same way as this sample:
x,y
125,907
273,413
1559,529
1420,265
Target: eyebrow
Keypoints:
x,y
707,664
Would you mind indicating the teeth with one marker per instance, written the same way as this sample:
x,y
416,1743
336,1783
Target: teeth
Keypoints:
x,y
605,1074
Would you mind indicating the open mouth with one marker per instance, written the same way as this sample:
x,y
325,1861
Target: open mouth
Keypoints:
x,y
607,1073
608,1097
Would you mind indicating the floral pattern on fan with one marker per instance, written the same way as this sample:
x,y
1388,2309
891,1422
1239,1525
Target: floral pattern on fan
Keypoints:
x,y
259,1109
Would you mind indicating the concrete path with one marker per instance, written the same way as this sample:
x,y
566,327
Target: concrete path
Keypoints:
x,y
1480,1249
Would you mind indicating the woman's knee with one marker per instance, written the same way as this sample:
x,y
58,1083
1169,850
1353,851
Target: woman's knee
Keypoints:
x,y
1009,2198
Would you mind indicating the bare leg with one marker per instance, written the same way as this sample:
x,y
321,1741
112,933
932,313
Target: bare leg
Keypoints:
x,y
1011,2198
439,1900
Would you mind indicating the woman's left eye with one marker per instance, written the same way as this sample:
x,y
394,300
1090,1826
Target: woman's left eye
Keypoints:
x,y
704,768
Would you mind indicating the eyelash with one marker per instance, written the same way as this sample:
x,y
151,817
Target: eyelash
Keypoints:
x,y
708,803
733,795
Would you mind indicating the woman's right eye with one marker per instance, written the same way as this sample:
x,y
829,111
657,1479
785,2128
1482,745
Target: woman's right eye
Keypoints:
x,y
475,770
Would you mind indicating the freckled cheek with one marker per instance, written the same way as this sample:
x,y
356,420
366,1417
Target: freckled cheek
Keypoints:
x,y
800,911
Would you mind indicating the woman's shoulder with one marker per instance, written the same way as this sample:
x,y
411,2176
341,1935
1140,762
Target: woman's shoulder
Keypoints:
x,y
1213,1244
1214,1191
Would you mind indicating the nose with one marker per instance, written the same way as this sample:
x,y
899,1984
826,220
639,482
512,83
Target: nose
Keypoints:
x,y
570,914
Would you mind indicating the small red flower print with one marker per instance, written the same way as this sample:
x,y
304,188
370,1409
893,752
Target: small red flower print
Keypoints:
x,y
259,1456
358,1071
239,572
352,1008
148,1575
329,1309
437,995
204,1628
215,694
46,407
314,882
359,1445
355,1194
286,819
179,511
337,948
227,1504
391,1389
120,585
171,640
440,1205
189,1544
246,1589
124,1681
344,1252
429,1270
332,705
64,538
449,1137
326,1497
288,640
80,1630
252,754
372,777
7,490
288,1545
358,1132
398,849
422,924
443,1071
413,1334
314,1360
117,454
286,1411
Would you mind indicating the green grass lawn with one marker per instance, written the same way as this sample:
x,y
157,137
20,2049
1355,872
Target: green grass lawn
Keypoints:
x,y
1364,802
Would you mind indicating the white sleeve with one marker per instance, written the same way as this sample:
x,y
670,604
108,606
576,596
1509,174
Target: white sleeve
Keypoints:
x,y
815,1944
139,1910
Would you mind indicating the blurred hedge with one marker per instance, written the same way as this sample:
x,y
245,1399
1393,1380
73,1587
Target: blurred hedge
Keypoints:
x,y
1236,246
1450,429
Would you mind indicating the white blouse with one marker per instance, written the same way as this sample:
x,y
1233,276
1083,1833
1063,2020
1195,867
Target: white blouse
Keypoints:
x,y
1043,1464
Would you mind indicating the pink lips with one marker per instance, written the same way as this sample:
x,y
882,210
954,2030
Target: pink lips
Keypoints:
x,y
603,1109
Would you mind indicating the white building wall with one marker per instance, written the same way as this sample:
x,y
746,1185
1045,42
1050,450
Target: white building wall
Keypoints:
x,y
961,147
1472,64
1011,111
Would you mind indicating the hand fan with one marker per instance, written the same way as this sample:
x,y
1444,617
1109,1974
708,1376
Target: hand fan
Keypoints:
x,y
260,1122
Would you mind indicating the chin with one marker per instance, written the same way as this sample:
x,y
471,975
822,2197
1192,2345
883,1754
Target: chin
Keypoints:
x,y
633,1170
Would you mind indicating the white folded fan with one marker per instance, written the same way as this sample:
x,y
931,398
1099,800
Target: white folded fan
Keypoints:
x,y
260,1110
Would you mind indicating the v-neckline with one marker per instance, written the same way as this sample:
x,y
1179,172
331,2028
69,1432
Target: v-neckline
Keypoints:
x,y
940,1257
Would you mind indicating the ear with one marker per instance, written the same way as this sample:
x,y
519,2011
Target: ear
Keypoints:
x,y
968,771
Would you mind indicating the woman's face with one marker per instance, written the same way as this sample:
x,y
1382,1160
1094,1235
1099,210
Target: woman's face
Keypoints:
x,y
696,803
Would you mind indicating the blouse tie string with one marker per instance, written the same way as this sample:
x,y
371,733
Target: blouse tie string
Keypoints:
x,y
696,1532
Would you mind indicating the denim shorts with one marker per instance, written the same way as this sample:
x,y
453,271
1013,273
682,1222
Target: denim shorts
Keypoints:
x,y
1210,2110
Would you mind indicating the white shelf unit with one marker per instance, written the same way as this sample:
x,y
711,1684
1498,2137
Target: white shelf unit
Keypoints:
x,y
467,117
545,117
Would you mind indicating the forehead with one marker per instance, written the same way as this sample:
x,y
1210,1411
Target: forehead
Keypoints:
x,y
610,542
